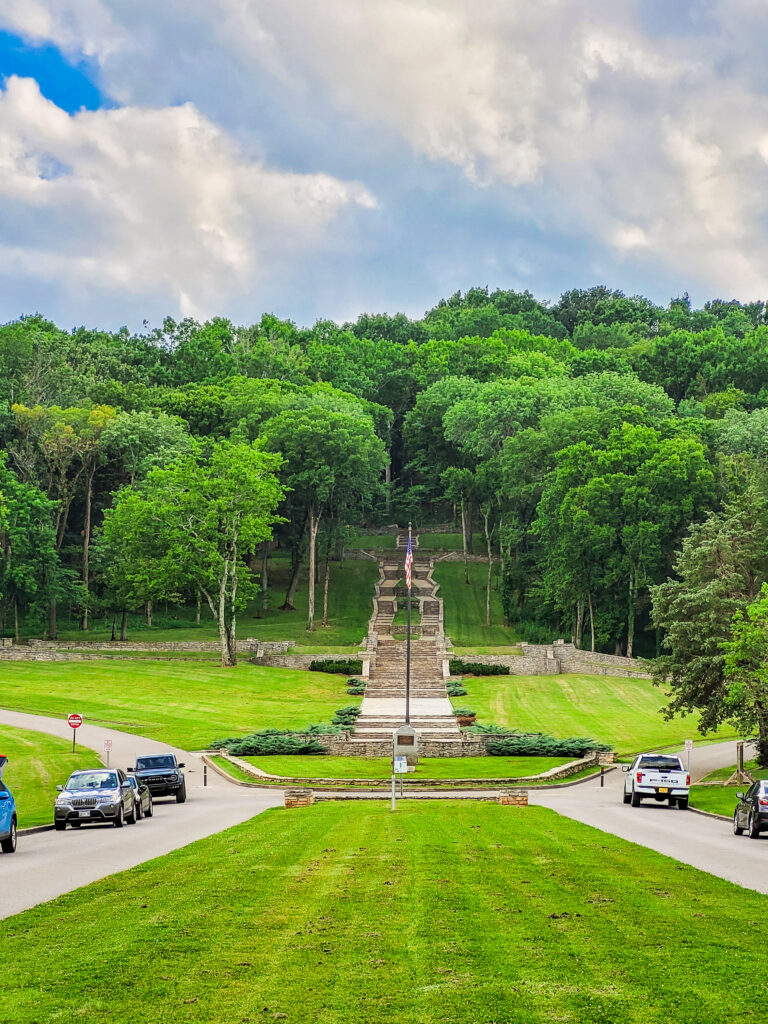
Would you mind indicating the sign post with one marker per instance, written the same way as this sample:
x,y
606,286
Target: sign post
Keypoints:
x,y
688,749
74,722
107,749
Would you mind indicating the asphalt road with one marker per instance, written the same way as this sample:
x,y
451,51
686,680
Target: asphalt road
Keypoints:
x,y
694,839
48,864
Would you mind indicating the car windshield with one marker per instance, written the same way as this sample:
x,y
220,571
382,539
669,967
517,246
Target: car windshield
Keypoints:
x,y
92,780
160,761
664,764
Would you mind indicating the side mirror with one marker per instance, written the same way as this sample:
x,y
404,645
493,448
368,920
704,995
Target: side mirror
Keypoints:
x,y
626,767
4,795
131,769
127,785
59,789
182,765
739,796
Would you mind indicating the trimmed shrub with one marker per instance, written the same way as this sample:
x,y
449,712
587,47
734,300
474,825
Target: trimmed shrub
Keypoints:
x,y
456,690
269,741
538,744
457,667
339,666
346,717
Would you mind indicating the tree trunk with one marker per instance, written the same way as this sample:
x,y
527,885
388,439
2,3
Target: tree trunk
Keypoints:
x,y
124,625
197,609
287,605
114,625
486,518
326,580
464,541
631,615
232,625
148,609
591,621
221,617
388,484
314,524
265,578
87,543
52,618
17,637
579,630
762,735
467,511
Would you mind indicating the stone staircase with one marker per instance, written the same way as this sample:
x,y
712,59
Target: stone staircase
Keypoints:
x,y
383,707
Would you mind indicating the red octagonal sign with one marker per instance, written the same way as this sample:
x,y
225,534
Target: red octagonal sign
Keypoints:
x,y
75,721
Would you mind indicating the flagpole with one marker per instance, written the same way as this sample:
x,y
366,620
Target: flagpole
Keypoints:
x,y
408,640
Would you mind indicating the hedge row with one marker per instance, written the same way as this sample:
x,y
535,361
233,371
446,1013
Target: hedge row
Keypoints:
x,y
476,668
341,666
541,745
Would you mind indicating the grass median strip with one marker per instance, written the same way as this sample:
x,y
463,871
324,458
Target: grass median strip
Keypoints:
x,y
445,912
320,767
36,765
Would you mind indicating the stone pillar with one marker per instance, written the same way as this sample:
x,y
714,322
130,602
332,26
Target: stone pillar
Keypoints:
x,y
299,797
513,797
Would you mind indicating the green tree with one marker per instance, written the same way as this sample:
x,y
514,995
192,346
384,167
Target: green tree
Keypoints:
x,y
746,672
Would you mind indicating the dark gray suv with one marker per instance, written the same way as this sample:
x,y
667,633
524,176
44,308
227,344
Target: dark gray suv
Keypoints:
x,y
97,794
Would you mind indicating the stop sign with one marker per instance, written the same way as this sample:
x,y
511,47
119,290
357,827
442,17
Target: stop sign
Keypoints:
x,y
75,721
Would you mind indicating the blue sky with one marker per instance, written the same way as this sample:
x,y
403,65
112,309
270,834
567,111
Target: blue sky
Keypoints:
x,y
317,161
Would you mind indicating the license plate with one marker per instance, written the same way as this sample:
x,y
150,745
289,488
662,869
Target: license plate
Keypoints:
x,y
663,789
84,814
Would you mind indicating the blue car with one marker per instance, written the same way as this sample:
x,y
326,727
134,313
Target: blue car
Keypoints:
x,y
7,814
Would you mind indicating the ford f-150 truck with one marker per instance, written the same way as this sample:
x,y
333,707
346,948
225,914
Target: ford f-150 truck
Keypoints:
x,y
656,777
7,814
163,774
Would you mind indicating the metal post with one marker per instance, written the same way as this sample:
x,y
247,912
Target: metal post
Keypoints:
x,y
107,759
205,774
408,644
602,777
401,783
393,787
74,733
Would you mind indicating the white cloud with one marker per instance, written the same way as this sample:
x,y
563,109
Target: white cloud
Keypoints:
x,y
651,144
152,202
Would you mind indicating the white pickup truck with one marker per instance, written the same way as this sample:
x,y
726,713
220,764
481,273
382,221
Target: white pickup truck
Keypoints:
x,y
658,777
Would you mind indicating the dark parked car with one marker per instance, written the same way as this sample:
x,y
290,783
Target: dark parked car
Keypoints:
x,y
751,812
163,774
97,794
8,822
142,798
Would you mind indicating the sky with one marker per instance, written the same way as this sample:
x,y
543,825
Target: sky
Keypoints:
x,y
234,157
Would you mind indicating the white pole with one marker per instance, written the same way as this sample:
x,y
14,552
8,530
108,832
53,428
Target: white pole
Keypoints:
x,y
393,790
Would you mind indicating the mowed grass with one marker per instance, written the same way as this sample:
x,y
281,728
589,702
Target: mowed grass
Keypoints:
x,y
464,605
621,711
446,913
722,799
349,609
369,541
450,542
322,767
36,765
184,704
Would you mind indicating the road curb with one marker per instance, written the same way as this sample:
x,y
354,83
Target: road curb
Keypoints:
x,y
34,830
709,814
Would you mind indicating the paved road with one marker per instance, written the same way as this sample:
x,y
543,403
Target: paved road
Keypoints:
x,y
51,863
705,843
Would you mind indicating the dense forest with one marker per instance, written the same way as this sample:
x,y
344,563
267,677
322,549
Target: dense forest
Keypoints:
x,y
589,440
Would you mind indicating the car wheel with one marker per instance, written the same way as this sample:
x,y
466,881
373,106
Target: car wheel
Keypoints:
x,y
753,828
672,801
150,809
682,803
139,811
737,829
181,794
636,798
626,797
9,845
131,818
59,825
120,819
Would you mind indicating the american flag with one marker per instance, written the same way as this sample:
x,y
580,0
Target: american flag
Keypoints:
x,y
408,564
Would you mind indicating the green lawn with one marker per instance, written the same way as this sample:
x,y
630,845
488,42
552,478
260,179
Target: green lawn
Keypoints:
x,y
36,765
321,767
376,540
464,606
349,610
613,709
722,799
184,704
441,913
450,542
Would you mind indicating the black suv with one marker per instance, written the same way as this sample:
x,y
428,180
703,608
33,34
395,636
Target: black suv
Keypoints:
x,y
162,773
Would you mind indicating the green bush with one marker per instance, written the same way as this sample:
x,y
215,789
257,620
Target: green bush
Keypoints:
x,y
476,668
346,717
456,690
269,741
538,744
341,666
464,712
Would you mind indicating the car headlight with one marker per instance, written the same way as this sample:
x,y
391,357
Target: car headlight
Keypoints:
x,y
62,798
